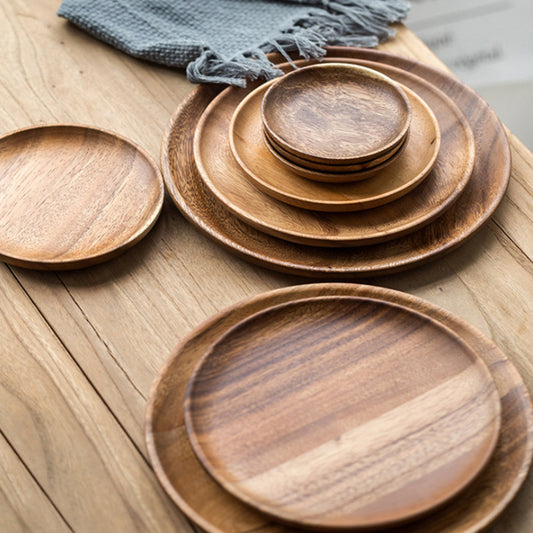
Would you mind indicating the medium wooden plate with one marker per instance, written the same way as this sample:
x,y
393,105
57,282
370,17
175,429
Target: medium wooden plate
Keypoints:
x,y
73,196
476,204
336,113
341,412
231,185
215,510
409,169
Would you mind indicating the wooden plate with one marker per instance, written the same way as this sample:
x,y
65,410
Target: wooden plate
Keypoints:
x,y
230,184
476,204
215,510
410,168
360,168
342,412
73,196
336,113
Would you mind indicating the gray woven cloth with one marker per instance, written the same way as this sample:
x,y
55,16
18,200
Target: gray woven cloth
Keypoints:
x,y
225,41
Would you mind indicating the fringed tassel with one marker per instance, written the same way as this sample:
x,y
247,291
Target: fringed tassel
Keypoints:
x,y
335,22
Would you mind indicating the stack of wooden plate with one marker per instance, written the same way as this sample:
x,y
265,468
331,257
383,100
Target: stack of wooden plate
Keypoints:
x,y
339,407
391,164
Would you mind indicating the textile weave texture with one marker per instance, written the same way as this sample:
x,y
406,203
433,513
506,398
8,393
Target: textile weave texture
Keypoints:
x,y
225,41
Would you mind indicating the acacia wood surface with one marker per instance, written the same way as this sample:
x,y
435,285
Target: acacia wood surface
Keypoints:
x,y
229,183
74,196
342,412
412,165
216,510
117,322
336,113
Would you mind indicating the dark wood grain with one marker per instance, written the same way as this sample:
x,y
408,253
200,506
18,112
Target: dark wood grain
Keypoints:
x,y
230,184
336,113
342,412
73,196
412,165
484,190
215,510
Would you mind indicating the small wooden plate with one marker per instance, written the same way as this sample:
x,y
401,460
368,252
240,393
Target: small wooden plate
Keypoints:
x,y
73,196
342,412
476,204
216,511
336,113
232,186
412,165
329,176
378,163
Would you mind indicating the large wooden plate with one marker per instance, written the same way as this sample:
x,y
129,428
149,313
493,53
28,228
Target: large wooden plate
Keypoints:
x,y
336,113
480,198
342,412
230,184
414,163
73,196
215,510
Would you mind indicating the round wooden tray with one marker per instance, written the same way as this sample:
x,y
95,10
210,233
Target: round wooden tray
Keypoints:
x,y
409,169
474,207
342,412
215,510
73,196
231,185
336,113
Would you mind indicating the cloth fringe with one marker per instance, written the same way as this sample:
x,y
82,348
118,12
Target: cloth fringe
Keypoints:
x,y
362,23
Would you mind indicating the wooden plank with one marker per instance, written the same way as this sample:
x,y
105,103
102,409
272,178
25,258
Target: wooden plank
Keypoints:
x,y
23,504
66,436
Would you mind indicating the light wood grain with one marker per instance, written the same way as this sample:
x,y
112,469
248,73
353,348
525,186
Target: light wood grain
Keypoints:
x,y
215,510
229,183
73,196
23,504
413,164
336,113
120,320
340,412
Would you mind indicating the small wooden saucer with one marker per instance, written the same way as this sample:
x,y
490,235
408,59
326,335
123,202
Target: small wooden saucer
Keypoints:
x,y
413,164
227,180
342,412
216,511
73,196
311,165
336,113
328,176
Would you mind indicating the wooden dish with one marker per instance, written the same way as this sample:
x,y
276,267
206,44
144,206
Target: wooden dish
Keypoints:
x,y
379,162
336,113
341,412
474,207
73,196
217,511
231,185
323,176
412,166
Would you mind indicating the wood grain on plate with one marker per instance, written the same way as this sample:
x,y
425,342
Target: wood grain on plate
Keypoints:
x,y
73,196
215,510
409,169
336,113
342,412
230,184
474,207
361,170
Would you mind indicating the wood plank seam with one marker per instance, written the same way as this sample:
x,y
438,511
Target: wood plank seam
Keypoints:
x,y
52,503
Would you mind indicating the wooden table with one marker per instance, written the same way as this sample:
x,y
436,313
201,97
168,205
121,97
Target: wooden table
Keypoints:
x,y
79,350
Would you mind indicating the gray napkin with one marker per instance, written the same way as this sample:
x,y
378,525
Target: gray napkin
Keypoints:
x,y
225,41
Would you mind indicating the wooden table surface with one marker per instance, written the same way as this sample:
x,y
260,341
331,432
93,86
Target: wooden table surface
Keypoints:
x,y
79,350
